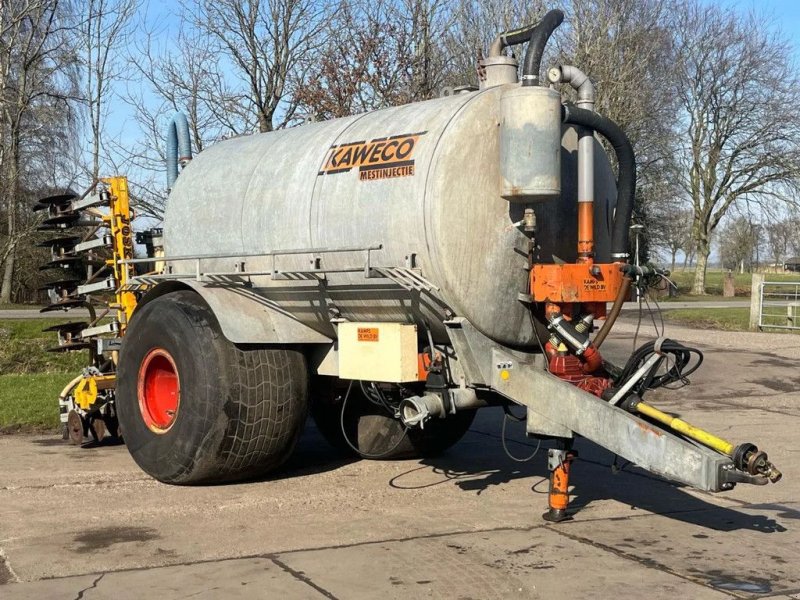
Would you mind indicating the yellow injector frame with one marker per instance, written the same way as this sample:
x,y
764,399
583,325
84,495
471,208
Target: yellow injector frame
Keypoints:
x,y
119,222
87,401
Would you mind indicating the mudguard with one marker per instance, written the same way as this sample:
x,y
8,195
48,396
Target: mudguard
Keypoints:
x,y
244,317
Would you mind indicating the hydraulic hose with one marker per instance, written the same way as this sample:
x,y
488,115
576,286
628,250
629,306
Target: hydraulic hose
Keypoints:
x,y
533,56
69,387
626,182
622,295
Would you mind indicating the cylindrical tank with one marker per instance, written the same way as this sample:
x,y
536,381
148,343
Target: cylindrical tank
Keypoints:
x,y
423,180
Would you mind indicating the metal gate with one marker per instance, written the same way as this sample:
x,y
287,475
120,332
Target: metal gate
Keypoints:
x,y
779,304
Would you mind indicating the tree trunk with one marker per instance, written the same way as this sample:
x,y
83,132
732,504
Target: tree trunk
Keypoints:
x,y
672,269
8,274
699,285
12,194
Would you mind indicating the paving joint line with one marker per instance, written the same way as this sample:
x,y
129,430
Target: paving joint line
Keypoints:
x,y
91,587
270,555
300,576
648,563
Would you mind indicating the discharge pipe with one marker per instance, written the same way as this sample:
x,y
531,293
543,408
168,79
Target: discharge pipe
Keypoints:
x,y
626,182
179,147
537,35
581,83
417,410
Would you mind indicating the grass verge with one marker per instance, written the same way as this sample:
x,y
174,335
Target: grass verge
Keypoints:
x,y
714,282
23,348
29,402
30,377
728,319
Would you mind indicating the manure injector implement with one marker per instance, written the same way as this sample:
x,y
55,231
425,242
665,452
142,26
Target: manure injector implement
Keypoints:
x,y
392,273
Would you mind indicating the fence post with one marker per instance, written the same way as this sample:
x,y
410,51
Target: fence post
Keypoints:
x,y
755,300
728,285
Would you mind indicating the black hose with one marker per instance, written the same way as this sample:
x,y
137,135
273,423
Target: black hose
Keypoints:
x,y
515,36
681,360
539,37
626,182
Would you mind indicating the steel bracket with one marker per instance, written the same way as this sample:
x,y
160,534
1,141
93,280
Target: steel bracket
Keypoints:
x,y
560,409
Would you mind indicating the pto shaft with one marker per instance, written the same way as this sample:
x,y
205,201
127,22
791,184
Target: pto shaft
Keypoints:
x,y
747,457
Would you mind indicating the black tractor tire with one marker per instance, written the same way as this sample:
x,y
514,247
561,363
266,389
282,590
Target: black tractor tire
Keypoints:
x,y
373,431
239,411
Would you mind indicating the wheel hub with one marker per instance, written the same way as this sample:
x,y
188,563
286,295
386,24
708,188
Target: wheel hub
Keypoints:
x,y
159,390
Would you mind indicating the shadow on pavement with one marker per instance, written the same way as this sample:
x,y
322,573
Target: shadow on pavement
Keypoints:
x,y
478,463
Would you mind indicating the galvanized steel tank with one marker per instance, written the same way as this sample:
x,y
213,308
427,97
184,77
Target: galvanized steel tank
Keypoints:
x,y
436,201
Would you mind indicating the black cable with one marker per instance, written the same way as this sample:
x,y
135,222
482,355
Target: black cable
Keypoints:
x,y
374,394
683,361
507,416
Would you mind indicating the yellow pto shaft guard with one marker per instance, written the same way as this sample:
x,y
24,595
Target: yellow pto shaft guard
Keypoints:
x,y
687,429
746,457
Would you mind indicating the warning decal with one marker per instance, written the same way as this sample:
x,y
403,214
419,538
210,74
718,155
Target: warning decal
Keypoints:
x,y
381,158
368,334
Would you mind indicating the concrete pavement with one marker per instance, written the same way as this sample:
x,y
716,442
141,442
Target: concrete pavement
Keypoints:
x,y
86,523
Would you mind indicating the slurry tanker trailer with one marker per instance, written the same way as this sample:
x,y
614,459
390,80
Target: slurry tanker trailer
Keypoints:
x,y
392,273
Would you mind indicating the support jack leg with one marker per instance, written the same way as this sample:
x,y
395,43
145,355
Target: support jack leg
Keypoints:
x,y
559,461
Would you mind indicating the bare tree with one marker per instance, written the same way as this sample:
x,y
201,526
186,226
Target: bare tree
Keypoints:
x,y
269,44
779,236
103,27
424,24
673,230
183,75
378,54
36,86
738,243
357,70
739,94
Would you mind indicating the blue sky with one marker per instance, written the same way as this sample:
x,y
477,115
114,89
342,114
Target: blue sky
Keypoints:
x,y
783,15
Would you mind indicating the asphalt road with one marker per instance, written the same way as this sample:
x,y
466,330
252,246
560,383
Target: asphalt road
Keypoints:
x,y
35,314
87,524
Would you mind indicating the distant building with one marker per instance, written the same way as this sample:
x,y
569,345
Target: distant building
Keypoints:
x,y
792,264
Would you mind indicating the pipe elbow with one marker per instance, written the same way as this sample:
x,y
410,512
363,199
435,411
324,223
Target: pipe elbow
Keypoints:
x,y
496,48
578,80
179,146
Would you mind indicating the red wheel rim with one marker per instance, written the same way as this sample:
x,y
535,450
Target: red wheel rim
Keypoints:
x,y
159,390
